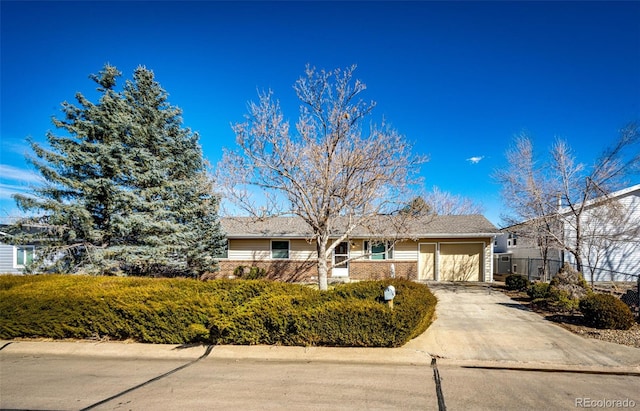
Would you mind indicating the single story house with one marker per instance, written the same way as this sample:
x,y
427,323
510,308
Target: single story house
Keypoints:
x,y
438,248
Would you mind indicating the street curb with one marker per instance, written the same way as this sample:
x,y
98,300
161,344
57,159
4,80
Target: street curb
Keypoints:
x,y
541,367
398,356
237,352
102,349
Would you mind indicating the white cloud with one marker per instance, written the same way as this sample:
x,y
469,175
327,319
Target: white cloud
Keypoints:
x,y
475,160
15,146
7,190
15,180
10,173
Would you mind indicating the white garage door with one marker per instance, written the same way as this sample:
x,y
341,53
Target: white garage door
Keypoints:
x,y
461,262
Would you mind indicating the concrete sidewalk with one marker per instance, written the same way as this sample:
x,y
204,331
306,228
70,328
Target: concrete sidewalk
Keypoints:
x,y
252,352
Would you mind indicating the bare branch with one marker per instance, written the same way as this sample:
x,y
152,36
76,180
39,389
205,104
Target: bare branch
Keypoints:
x,y
566,205
331,167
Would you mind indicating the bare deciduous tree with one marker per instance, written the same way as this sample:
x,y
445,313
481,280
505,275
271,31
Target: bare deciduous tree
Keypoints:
x,y
554,199
445,203
438,202
330,171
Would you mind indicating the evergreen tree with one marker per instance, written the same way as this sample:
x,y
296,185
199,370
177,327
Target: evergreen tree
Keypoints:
x,y
127,187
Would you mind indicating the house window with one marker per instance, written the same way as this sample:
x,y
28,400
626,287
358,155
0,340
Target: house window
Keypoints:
x,y
378,250
512,241
224,253
279,249
24,256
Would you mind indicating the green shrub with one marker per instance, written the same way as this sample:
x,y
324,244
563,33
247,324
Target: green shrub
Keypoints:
x,y
249,273
562,294
146,310
560,300
516,282
197,333
571,281
538,290
606,311
349,315
179,311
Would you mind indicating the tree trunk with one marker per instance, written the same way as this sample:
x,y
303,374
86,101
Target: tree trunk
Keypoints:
x,y
578,248
545,262
323,269
579,267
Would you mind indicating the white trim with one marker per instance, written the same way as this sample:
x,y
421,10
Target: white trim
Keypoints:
x,y
15,254
368,251
340,271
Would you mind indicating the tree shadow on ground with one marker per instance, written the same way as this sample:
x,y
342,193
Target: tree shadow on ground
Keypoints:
x,y
574,319
516,306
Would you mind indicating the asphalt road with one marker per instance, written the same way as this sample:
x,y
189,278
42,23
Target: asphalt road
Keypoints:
x,y
63,382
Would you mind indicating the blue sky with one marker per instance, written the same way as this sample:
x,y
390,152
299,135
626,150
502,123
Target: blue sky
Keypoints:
x,y
458,79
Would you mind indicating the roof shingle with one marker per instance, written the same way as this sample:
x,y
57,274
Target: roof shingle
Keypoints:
x,y
386,226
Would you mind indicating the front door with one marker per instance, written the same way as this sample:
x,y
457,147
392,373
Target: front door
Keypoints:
x,y
340,263
427,262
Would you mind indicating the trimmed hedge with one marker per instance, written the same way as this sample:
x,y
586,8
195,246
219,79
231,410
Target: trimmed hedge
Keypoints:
x,y
606,311
178,311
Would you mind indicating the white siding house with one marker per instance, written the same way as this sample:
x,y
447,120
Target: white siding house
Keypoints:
x,y
14,258
611,246
610,235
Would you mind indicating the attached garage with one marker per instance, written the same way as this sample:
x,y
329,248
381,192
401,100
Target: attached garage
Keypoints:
x,y
449,261
461,262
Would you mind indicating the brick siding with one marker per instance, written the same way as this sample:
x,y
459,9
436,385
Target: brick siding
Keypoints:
x,y
377,270
306,271
284,270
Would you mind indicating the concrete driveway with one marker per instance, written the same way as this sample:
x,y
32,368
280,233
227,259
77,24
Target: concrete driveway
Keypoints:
x,y
477,323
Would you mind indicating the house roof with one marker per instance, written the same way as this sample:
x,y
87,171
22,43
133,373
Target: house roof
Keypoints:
x,y
604,199
432,226
564,211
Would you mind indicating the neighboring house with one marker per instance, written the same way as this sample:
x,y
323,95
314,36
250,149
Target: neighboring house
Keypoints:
x,y
517,252
610,241
14,258
440,248
611,244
